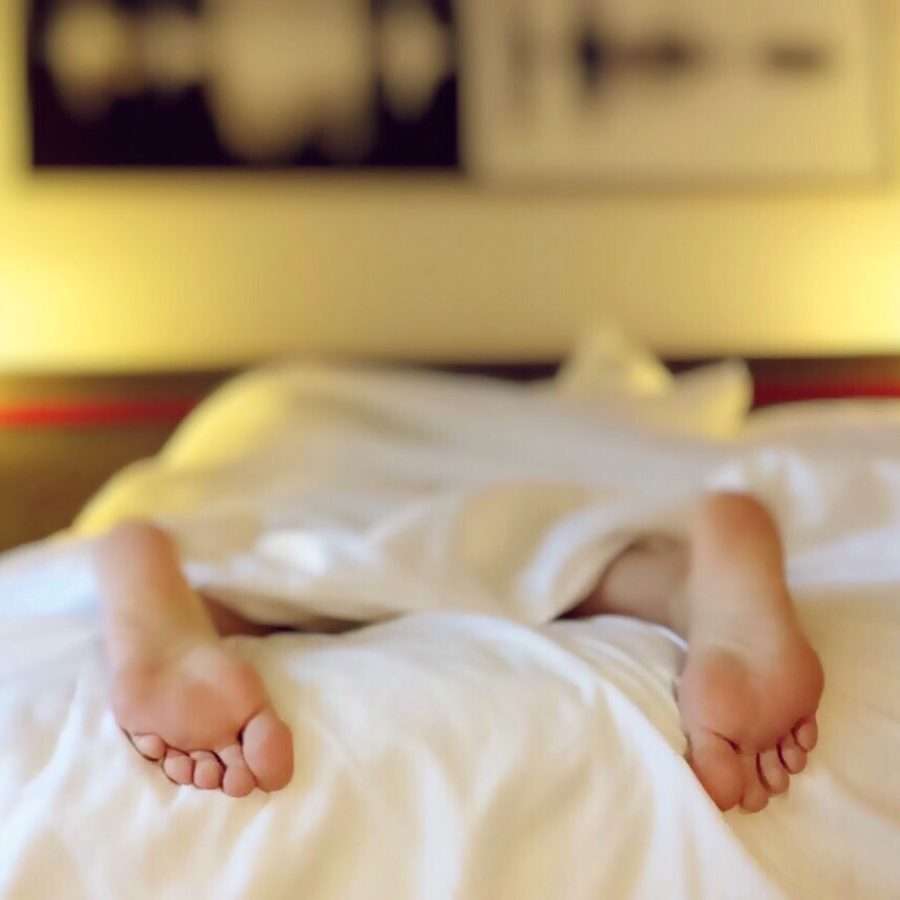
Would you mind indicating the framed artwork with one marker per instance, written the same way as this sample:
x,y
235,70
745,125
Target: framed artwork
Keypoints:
x,y
507,91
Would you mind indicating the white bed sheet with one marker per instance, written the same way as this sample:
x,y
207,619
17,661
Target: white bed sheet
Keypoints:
x,y
480,753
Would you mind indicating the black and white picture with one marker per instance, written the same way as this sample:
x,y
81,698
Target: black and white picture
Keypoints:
x,y
505,91
672,89
347,83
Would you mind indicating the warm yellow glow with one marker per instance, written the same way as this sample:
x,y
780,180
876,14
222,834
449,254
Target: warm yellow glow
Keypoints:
x,y
140,271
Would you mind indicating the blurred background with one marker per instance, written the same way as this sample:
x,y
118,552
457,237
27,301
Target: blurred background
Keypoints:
x,y
762,224
192,186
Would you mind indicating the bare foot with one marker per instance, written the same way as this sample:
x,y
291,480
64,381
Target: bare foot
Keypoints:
x,y
204,714
184,699
752,684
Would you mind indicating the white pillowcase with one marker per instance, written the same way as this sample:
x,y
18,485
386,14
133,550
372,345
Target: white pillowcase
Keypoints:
x,y
609,370
854,427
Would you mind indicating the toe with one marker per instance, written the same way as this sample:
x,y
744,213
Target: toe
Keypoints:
x,y
772,773
179,767
208,770
807,734
756,797
150,746
792,755
238,780
717,766
269,750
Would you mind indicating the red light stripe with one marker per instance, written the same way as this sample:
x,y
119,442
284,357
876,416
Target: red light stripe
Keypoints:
x,y
64,414
773,393
61,414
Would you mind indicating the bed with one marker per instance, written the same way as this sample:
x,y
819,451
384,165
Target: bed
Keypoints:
x,y
460,746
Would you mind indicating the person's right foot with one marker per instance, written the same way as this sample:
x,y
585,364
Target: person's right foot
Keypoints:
x,y
752,684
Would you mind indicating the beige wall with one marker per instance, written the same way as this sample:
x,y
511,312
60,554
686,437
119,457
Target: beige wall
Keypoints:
x,y
146,272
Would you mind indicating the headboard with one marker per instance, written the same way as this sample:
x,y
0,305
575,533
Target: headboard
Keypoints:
x,y
82,401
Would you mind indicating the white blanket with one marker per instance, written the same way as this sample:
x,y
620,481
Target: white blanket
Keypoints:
x,y
468,749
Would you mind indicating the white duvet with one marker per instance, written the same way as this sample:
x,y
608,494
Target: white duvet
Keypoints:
x,y
466,748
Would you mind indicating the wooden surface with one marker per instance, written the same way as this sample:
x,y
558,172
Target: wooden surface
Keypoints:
x,y
48,473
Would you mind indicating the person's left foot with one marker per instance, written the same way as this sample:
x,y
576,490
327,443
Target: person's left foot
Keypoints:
x,y
204,715
182,696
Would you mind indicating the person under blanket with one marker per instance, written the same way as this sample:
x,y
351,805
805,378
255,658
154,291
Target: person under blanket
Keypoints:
x,y
748,694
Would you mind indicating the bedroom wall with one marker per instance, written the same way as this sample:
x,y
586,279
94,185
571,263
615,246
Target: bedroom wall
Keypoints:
x,y
144,272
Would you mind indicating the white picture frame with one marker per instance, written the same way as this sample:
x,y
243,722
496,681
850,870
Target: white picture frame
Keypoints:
x,y
762,90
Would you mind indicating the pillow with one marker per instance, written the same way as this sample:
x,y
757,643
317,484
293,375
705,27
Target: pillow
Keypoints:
x,y
845,426
610,371
606,364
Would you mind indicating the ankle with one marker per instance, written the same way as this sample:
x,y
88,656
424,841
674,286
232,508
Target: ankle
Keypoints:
x,y
679,610
647,581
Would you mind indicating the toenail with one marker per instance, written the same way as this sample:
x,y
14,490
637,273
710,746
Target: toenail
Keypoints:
x,y
794,759
772,773
752,812
806,735
150,746
207,770
179,767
